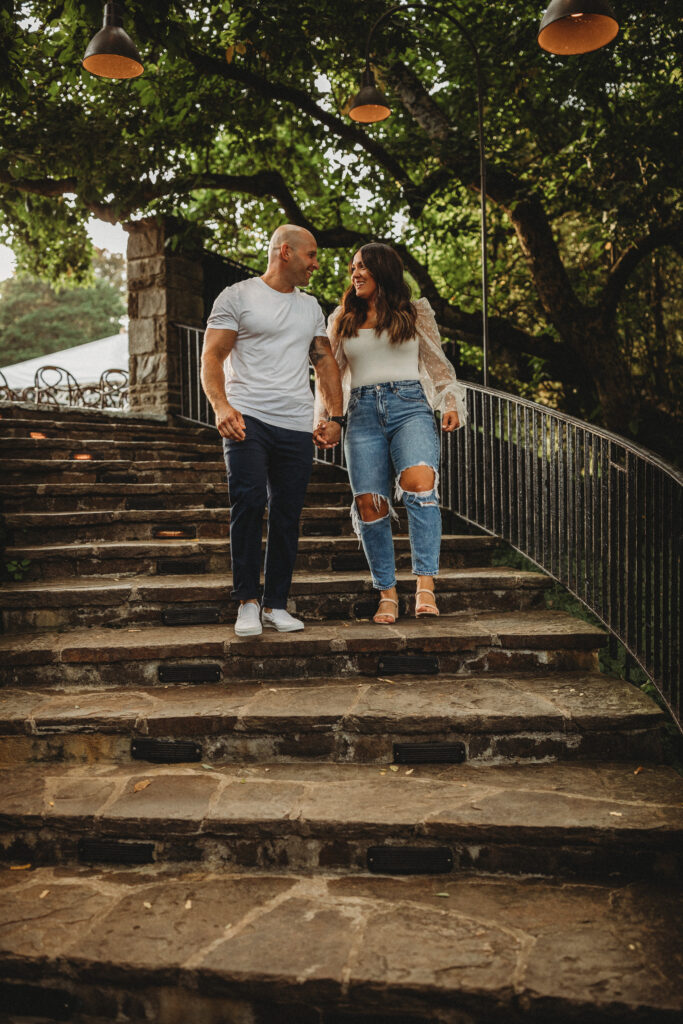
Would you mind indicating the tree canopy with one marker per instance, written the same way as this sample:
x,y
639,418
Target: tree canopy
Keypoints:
x,y
240,121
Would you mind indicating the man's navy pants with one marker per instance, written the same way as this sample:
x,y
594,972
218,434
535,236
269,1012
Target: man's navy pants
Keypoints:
x,y
271,466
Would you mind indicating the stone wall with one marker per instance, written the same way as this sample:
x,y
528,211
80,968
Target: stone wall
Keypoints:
x,y
165,287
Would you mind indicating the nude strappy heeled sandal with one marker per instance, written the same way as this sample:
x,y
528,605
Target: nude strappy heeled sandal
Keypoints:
x,y
423,610
387,617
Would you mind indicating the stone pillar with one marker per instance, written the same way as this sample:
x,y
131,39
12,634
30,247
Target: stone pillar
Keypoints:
x,y
165,288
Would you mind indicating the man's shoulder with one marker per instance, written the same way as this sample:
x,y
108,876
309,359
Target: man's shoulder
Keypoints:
x,y
245,285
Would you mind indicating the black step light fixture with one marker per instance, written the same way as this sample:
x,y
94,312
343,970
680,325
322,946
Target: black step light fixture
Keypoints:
x,y
577,26
111,52
370,105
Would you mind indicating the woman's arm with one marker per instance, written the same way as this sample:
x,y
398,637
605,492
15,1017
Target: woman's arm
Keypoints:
x,y
445,394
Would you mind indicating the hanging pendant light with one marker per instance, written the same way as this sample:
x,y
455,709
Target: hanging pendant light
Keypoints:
x,y
111,52
577,26
369,104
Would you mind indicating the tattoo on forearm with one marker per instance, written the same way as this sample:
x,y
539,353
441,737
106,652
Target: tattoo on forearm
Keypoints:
x,y
319,348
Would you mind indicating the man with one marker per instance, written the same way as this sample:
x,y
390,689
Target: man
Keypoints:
x,y
259,339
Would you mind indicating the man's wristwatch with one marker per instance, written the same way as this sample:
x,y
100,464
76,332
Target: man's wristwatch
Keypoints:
x,y
341,420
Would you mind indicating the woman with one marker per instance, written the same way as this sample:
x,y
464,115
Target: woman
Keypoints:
x,y
391,361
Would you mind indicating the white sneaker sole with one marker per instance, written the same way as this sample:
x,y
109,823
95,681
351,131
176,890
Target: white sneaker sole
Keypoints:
x,y
282,629
249,631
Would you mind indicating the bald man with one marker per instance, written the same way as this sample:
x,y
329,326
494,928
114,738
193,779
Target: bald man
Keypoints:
x,y
260,337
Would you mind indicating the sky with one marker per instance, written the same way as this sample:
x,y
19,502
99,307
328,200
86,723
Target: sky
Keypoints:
x,y
104,236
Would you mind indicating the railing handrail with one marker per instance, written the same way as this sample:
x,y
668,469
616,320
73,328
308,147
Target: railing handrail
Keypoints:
x,y
623,442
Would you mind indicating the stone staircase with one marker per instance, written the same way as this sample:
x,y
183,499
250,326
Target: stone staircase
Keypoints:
x,y
459,820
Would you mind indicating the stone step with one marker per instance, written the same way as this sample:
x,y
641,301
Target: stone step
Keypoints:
x,y
78,497
122,429
489,719
65,449
577,819
472,642
17,412
101,526
106,470
320,554
167,945
145,600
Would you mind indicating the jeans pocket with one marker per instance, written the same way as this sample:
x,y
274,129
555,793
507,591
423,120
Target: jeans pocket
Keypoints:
x,y
353,403
410,393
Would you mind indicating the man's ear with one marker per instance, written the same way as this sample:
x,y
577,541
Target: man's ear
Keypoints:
x,y
285,252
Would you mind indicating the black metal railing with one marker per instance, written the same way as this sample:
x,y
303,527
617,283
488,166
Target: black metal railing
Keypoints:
x,y
597,513
194,404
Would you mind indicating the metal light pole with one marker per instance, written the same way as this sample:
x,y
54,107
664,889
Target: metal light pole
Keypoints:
x,y
371,105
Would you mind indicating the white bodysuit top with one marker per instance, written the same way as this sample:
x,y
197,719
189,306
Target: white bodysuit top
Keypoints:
x,y
435,373
374,360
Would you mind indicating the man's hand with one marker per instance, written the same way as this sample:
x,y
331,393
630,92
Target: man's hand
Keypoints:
x,y
327,434
230,423
450,421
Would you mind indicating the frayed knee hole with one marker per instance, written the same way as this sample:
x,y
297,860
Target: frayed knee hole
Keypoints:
x,y
372,507
417,481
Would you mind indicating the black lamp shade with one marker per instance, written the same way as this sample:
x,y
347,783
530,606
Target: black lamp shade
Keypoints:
x,y
577,26
111,52
369,104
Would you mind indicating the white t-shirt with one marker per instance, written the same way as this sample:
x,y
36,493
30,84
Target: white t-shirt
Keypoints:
x,y
267,371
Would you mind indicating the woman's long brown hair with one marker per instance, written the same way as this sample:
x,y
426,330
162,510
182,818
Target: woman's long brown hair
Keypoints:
x,y
396,314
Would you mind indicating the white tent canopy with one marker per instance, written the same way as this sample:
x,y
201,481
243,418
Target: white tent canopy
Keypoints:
x,y
86,362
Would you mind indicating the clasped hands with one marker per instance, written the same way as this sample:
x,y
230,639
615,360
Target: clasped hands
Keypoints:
x,y
327,434
230,423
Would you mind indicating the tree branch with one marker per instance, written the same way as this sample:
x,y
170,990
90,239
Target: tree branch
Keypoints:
x,y
630,259
524,210
301,99
41,187
271,183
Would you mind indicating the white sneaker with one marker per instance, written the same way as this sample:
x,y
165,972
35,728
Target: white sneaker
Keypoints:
x,y
282,621
248,620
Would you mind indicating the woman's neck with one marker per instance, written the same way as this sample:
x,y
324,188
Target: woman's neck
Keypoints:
x,y
370,315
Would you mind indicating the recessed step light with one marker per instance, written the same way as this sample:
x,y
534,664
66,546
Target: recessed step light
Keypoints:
x,y
189,673
416,664
429,753
196,615
181,566
410,860
165,751
114,851
171,531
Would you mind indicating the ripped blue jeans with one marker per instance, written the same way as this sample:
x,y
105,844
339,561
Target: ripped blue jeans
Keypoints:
x,y
391,427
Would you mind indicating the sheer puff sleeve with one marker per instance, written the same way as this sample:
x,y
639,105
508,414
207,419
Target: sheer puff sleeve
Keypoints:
x,y
320,412
437,375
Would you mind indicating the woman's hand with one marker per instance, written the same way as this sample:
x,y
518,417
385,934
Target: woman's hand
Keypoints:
x,y
450,421
327,434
